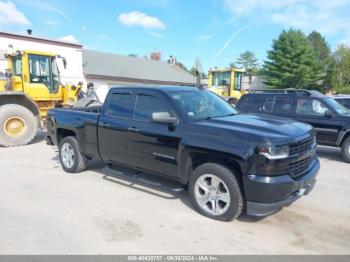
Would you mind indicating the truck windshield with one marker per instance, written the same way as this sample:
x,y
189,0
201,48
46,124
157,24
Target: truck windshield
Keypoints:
x,y
200,105
336,106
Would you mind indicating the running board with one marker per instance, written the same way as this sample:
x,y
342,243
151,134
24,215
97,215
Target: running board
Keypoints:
x,y
148,180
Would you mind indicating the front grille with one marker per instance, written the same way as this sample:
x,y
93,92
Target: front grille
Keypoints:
x,y
298,168
301,146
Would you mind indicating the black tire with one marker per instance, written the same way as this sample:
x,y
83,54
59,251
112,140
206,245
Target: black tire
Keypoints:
x,y
24,118
79,160
345,149
229,177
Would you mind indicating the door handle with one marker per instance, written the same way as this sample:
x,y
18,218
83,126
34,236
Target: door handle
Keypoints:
x,y
134,129
104,124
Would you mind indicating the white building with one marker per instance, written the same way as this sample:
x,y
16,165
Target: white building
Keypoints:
x,y
73,73
104,70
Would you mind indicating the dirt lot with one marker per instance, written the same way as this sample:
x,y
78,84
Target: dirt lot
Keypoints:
x,y
46,211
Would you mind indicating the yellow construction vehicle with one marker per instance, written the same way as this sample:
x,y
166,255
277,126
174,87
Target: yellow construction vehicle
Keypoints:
x,y
227,82
28,89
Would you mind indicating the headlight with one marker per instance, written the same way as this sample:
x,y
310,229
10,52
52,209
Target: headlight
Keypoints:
x,y
274,152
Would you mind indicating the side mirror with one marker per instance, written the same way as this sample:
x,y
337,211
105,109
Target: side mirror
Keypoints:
x,y
329,114
164,118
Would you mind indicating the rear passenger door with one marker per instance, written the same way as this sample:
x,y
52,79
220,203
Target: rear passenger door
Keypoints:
x,y
251,103
283,106
113,127
153,146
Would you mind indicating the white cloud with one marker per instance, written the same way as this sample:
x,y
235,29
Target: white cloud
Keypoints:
x,y
328,17
140,19
10,15
203,38
69,38
156,34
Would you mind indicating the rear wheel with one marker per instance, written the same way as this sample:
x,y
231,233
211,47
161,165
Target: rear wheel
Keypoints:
x,y
18,125
215,192
72,160
345,149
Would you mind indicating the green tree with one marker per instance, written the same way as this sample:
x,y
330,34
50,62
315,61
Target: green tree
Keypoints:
x,y
233,65
198,66
133,55
339,75
292,63
320,47
323,55
248,61
182,66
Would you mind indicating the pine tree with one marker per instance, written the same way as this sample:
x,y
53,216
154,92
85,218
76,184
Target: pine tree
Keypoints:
x,y
320,47
291,62
248,61
323,54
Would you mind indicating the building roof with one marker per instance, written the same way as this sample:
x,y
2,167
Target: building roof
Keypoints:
x,y
110,66
39,39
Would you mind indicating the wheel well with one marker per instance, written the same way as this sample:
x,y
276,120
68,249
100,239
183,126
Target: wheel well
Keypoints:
x,y
198,159
344,138
22,100
62,133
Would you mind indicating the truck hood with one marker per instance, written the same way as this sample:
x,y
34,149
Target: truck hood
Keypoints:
x,y
267,128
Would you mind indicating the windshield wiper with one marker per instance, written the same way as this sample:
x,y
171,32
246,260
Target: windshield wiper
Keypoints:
x,y
212,117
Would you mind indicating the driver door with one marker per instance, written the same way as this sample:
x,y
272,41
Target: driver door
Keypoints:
x,y
152,146
312,111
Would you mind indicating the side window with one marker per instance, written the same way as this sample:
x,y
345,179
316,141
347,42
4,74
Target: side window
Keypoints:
x,y
311,107
17,65
268,105
146,105
282,104
120,105
39,69
347,103
344,102
250,103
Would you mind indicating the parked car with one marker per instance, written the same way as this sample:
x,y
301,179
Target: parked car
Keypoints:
x,y
228,161
344,100
330,119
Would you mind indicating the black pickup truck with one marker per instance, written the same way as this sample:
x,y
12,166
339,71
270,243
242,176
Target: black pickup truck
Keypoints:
x,y
229,162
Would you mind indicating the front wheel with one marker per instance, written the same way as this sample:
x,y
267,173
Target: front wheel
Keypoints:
x,y
345,149
72,160
215,192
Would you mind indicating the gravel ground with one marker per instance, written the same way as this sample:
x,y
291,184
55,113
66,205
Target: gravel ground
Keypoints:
x,y
43,210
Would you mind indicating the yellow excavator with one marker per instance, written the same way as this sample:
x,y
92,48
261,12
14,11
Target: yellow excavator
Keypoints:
x,y
28,89
227,82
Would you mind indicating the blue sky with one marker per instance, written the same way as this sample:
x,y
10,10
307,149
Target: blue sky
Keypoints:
x,y
215,31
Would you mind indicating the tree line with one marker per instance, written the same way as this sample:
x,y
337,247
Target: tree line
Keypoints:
x,y
295,60
304,61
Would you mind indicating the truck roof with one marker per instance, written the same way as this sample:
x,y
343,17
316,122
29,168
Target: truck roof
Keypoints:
x,y
158,88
